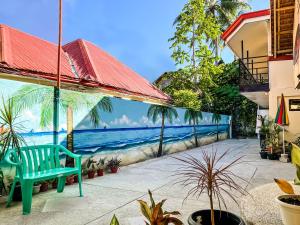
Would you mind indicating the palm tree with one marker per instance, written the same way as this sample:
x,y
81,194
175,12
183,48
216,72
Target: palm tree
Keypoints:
x,y
193,118
216,118
225,12
11,127
164,112
29,96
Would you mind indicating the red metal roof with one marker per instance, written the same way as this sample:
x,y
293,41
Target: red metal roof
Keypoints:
x,y
92,67
240,19
19,50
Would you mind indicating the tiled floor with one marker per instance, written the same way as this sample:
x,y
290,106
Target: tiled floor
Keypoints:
x,y
118,193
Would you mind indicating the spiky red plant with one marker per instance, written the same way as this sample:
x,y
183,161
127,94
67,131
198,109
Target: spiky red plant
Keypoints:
x,y
208,175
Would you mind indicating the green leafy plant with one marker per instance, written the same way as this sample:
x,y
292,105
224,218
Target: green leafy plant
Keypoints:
x,y
101,163
114,162
114,221
155,214
208,175
165,113
87,164
10,136
2,185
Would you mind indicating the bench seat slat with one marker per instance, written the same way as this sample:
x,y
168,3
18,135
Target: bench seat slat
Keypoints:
x,y
50,173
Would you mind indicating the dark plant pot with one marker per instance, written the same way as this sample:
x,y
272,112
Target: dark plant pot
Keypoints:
x,y
76,179
44,187
273,156
100,172
17,196
263,154
70,180
91,174
114,169
54,184
221,218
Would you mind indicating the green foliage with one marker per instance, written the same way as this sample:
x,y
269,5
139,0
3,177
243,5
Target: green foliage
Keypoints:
x,y
216,118
11,127
114,221
114,162
187,99
155,215
29,96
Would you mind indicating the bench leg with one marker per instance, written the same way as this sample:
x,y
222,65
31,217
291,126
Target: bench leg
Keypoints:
x,y
61,184
26,187
80,186
11,193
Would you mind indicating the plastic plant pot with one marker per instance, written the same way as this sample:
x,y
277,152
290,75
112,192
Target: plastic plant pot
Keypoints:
x,y
289,209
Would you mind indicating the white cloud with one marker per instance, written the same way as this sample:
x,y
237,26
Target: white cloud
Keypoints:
x,y
124,120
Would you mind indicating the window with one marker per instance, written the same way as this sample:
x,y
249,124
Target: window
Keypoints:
x,y
294,104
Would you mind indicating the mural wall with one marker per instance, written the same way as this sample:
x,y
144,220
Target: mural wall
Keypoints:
x,y
126,129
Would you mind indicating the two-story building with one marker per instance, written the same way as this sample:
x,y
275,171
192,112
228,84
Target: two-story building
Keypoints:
x,y
267,45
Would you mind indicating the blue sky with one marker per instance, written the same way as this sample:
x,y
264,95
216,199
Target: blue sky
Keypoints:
x,y
134,31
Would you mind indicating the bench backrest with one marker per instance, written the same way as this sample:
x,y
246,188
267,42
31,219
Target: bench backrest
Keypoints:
x,y
37,158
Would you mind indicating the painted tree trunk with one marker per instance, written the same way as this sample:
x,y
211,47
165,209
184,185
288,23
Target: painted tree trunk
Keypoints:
x,y
70,136
195,134
161,139
217,131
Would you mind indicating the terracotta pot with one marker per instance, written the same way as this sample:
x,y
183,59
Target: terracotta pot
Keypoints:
x,y
100,172
44,187
91,174
114,169
70,180
76,179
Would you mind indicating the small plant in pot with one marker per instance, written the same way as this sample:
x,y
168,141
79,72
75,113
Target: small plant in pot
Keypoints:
x,y
44,186
114,164
208,175
289,203
155,215
101,166
92,169
36,188
70,180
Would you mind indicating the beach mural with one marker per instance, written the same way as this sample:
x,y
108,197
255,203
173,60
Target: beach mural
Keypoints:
x,y
126,128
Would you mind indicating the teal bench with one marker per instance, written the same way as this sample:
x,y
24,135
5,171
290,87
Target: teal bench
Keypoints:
x,y
40,163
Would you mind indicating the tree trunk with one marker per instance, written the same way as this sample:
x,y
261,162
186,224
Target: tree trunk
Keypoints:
x,y
195,133
160,148
218,131
216,43
70,143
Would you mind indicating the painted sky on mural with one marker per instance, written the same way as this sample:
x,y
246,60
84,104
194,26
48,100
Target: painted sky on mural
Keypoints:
x,y
136,32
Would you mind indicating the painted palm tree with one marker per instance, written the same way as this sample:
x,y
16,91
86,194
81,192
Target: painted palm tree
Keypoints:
x,y
216,118
156,112
29,96
193,118
225,12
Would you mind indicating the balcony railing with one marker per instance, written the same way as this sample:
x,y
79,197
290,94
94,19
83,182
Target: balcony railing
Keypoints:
x,y
254,74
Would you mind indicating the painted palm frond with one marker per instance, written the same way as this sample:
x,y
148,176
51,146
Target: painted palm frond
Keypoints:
x,y
192,116
157,111
29,96
216,118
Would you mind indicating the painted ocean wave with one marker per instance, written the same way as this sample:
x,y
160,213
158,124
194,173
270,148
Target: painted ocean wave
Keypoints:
x,y
122,139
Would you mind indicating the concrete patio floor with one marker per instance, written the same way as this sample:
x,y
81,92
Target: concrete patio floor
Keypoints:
x,y
118,193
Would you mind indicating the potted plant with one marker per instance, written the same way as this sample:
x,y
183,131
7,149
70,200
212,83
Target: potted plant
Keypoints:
x,y
101,166
273,142
114,164
44,186
155,214
208,175
36,188
75,178
70,180
54,183
289,203
92,169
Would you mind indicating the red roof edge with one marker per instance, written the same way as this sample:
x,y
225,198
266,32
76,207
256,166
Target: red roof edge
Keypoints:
x,y
240,19
281,58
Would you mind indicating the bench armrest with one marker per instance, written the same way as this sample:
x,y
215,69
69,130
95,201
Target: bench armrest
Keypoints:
x,y
68,153
8,159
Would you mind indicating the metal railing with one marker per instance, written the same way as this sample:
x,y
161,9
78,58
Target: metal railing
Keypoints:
x,y
254,72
